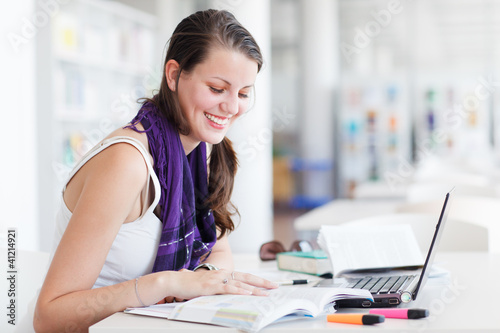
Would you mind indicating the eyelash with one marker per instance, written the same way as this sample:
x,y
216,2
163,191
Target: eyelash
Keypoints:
x,y
220,91
217,91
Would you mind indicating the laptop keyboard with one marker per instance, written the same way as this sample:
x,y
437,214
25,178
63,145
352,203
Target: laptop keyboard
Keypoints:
x,y
380,285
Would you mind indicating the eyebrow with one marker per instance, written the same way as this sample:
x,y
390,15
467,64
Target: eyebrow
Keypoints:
x,y
229,83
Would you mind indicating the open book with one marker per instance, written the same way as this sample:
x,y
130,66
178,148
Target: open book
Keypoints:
x,y
252,313
352,248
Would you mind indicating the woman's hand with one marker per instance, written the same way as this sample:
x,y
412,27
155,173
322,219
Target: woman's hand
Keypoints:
x,y
191,284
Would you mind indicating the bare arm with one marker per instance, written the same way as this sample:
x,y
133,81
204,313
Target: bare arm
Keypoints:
x,y
221,255
114,182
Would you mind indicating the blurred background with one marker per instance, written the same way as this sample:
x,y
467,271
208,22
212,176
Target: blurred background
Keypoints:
x,y
363,106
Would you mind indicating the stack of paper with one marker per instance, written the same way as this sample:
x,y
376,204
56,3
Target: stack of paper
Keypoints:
x,y
368,247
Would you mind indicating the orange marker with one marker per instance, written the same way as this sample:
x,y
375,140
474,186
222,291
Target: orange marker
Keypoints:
x,y
355,318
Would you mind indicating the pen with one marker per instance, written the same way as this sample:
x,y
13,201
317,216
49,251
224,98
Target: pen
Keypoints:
x,y
402,313
355,318
293,282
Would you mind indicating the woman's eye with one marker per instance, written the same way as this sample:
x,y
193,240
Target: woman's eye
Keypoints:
x,y
242,95
218,91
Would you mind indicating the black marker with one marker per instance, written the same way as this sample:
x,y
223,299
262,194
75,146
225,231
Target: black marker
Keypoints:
x,y
293,282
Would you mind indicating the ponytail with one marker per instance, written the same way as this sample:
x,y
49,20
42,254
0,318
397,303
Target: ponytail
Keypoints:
x,y
223,166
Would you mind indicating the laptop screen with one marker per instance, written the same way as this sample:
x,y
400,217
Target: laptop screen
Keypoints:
x,y
435,241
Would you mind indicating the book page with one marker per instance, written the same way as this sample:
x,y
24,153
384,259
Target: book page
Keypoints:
x,y
251,313
365,247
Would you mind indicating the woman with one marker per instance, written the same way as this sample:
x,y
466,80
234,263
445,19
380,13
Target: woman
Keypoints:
x,y
138,215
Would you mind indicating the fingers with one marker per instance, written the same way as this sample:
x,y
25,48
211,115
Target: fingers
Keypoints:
x,y
245,283
245,289
187,285
237,289
222,282
171,299
254,280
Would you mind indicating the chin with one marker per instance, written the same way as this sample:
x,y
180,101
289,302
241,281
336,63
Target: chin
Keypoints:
x,y
215,140
211,136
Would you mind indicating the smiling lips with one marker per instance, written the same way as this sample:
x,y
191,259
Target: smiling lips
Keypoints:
x,y
217,120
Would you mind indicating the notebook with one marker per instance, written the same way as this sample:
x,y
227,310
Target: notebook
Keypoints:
x,y
395,286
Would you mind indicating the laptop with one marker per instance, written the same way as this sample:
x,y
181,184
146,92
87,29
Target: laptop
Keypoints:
x,y
391,287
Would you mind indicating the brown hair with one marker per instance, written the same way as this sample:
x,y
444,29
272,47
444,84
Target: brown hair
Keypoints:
x,y
189,45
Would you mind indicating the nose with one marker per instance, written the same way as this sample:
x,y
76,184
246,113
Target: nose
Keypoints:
x,y
231,104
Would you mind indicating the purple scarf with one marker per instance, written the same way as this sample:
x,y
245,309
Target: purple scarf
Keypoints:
x,y
188,226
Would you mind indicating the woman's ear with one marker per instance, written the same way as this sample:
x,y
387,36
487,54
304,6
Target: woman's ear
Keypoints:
x,y
171,73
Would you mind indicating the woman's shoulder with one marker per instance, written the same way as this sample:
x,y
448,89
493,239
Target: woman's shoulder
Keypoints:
x,y
128,132
118,166
128,155
119,134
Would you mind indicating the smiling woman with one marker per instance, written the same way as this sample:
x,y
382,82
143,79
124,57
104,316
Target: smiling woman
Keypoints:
x,y
138,216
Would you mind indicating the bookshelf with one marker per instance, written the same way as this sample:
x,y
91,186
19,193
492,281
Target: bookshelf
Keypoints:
x,y
416,86
95,59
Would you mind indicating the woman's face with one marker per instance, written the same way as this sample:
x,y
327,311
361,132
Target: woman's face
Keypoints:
x,y
214,94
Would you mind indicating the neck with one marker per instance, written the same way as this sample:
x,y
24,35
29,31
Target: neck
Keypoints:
x,y
188,144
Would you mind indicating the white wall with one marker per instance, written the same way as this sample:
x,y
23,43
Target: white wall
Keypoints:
x,y
18,201
320,80
252,137
170,13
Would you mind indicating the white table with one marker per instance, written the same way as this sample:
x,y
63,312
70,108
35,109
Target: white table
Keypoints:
x,y
468,304
344,210
379,190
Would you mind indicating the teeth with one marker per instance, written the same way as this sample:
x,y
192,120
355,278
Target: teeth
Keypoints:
x,y
216,120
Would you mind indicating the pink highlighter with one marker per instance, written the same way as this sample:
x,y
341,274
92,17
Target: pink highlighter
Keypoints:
x,y
401,313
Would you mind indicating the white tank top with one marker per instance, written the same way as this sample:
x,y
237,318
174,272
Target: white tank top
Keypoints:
x,y
133,251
